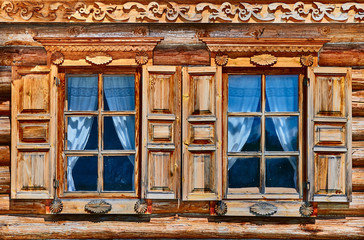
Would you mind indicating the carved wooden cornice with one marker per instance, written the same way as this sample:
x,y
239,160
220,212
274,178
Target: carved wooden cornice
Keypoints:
x,y
167,12
143,44
276,45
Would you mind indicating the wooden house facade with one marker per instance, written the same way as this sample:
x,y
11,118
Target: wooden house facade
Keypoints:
x,y
183,119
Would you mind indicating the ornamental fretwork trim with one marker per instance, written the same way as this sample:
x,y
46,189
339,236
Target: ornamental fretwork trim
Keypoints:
x,y
170,12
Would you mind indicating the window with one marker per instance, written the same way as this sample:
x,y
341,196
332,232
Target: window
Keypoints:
x,y
264,134
101,141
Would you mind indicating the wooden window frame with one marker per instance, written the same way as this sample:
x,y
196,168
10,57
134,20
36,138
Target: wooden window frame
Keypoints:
x,y
278,193
62,114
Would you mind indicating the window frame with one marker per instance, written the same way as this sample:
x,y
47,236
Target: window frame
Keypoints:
x,y
302,148
62,153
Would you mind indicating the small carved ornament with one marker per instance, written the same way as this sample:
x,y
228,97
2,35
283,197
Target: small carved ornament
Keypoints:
x,y
263,209
98,206
221,59
306,210
264,60
140,207
221,208
98,58
141,58
306,60
56,206
57,58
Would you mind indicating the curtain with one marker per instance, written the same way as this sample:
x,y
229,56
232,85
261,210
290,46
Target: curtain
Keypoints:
x,y
82,96
244,96
282,96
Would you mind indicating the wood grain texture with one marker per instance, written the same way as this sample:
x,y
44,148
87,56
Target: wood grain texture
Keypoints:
x,y
351,54
358,179
4,179
358,79
4,131
358,129
358,157
22,56
5,83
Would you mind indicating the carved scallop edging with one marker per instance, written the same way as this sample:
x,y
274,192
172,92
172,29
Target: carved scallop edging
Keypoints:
x,y
98,206
140,207
306,210
263,209
56,206
263,60
221,208
98,58
221,59
57,58
306,60
141,58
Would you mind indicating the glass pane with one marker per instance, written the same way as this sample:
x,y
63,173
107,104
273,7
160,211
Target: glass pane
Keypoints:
x,y
244,93
243,172
281,172
82,133
281,93
119,92
243,134
119,173
281,133
82,173
119,133
82,93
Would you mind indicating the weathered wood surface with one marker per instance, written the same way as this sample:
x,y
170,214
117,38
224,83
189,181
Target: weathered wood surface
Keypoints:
x,y
358,157
4,156
193,54
358,79
358,128
4,179
22,56
28,227
5,83
4,108
355,208
358,103
350,55
4,130
358,179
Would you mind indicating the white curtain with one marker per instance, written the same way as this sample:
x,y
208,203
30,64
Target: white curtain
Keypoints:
x,y
282,96
82,96
244,96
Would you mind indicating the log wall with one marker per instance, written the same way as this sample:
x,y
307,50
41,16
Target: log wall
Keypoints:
x,y
17,219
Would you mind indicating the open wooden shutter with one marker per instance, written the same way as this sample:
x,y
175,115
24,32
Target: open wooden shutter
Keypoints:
x,y
33,132
161,132
201,137
329,134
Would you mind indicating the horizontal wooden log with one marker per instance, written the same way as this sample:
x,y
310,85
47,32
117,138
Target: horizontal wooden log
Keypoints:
x,y
4,131
4,156
5,83
358,129
357,79
358,157
22,56
4,108
27,227
358,179
354,208
4,179
351,54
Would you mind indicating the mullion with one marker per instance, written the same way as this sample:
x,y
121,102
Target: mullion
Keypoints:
x,y
262,137
100,137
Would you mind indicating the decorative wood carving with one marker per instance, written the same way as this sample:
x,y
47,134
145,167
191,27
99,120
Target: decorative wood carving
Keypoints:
x,y
306,210
140,207
141,58
140,31
98,206
56,206
76,30
221,59
264,60
221,208
205,12
98,58
57,58
306,60
263,209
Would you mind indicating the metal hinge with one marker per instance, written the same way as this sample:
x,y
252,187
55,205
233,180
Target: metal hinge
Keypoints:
x,y
55,183
307,186
57,81
306,82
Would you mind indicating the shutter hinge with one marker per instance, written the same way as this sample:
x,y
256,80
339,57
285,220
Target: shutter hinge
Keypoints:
x,y
306,81
57,81
307,186
55,183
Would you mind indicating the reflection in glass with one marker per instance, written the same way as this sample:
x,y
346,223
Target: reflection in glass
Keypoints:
x,y
281,93
119,133
243,134
82,93
281,172
119,92
119,173
82,133
243,172
244,93
281,133
82,173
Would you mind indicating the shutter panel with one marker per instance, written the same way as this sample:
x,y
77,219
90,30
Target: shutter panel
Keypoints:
x,y
329,134
161,132
202,122
33,132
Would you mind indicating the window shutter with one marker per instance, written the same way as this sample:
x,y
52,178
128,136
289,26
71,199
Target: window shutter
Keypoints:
x,y
201,137
329,134
33,132
161,132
